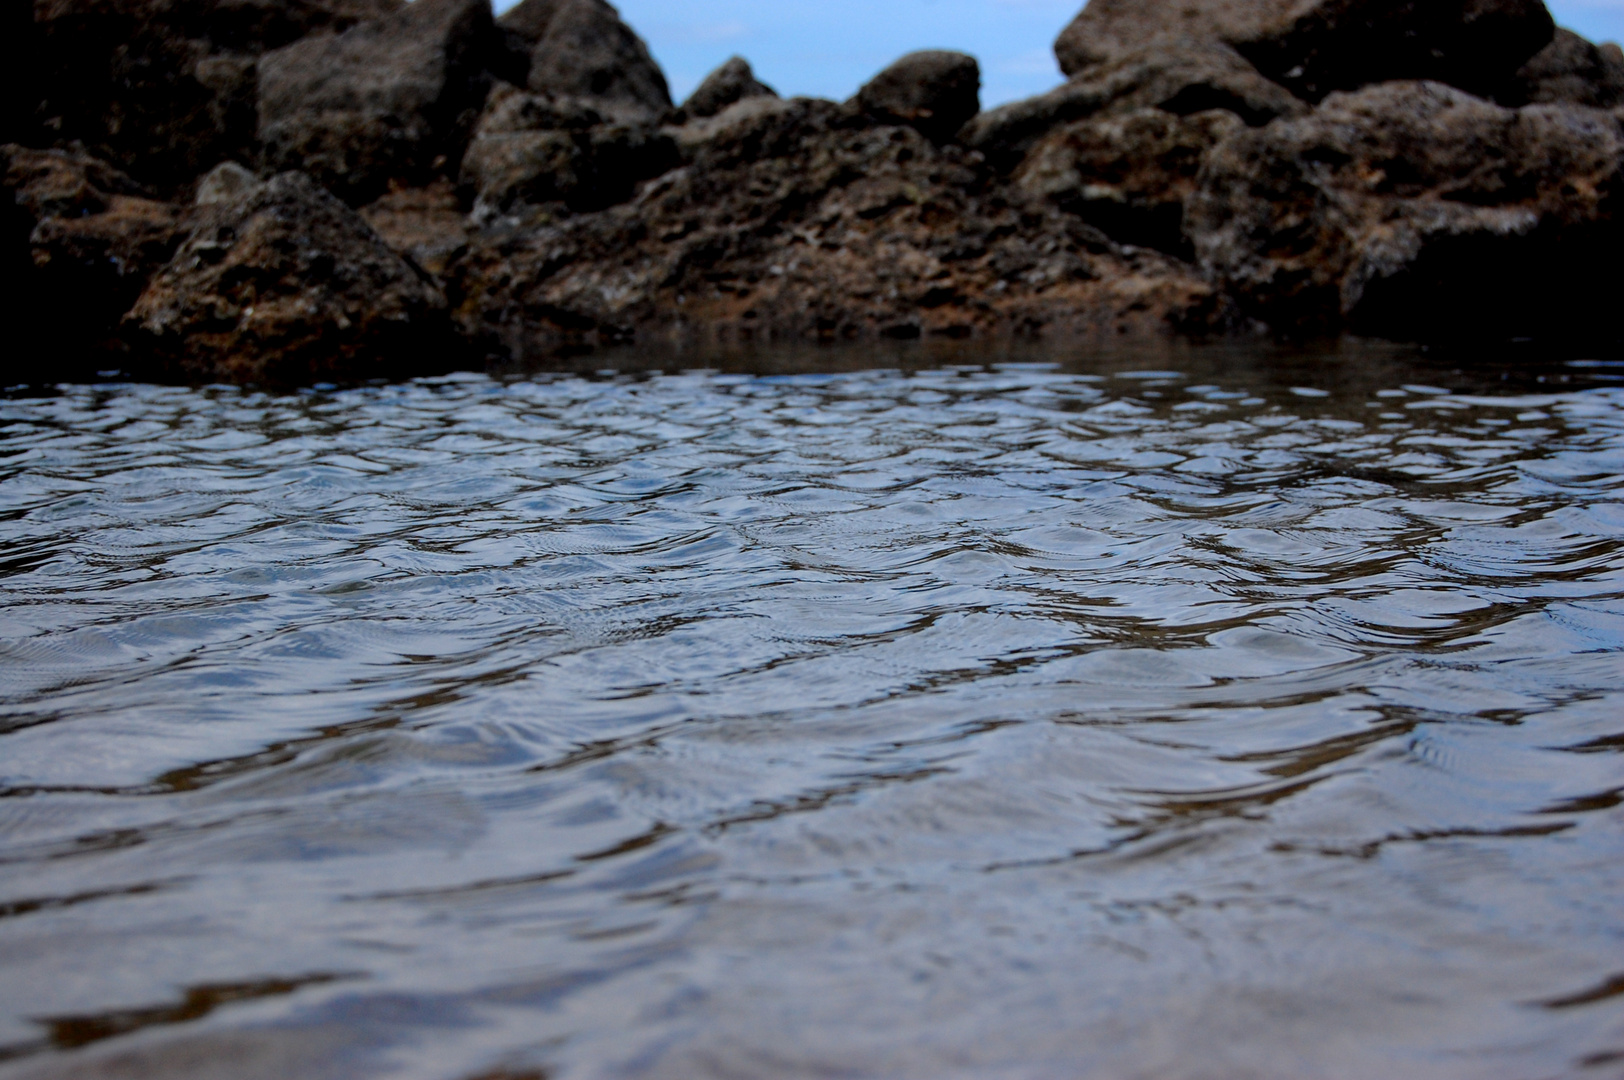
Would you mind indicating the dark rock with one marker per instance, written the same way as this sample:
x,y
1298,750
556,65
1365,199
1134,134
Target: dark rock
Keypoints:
x,y
934,91
287,285
223,183
424,225
1416,211
1570,71
793,223
1317,46
1180,79
82,238
530,150
732,82
1128,173
581,48
165,88
389,100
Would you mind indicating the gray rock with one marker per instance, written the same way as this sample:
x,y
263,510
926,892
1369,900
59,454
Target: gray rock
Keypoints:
x,y
1128,174
531,150
1181,79
223,183
1416,211
733,81
388,100
581,48
284,286
165,88
935,91
1316,46
1570,71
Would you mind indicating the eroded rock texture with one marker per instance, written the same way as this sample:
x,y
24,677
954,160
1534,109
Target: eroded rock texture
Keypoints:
x,y
581,48
286,285
1414,210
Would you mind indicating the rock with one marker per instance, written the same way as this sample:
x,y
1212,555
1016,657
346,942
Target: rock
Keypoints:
x,y
530,150
794,223
732,82
223,183
581,48
426,226
1418,212
394,99
935,91
82,240
1316,46
166,88
1128,174
1182,79
287,285
1570,71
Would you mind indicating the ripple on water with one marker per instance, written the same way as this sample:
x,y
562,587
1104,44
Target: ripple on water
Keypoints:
x,y
1258,718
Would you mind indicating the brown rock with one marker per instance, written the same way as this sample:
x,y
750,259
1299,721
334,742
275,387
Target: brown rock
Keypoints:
x,y
166,88
530,150
1570,71
1317,46
1178,79
732,82
582,49
1128,174
792,223
1416,211
935,91
287,285
82,240
389,100
426,226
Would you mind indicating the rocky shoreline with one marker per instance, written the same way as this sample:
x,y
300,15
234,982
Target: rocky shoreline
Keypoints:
x,y
287,191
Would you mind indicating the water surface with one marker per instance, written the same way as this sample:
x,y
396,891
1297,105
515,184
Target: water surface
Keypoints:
x,y
1222,716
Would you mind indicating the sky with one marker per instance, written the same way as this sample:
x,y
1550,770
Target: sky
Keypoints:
x,y
831,47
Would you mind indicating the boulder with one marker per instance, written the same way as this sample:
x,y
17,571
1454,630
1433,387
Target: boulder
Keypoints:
x,y
529,151
223,183
82,240
1570,71
286,285
792,222
1418,212
1182,79
1128,173
935,91
732,82
426,226
166,88
581,48
394,99
1316,46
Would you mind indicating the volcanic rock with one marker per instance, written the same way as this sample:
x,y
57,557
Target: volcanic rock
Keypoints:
x,y
1570,71
530,150
1418,212
935,91
82,238
223,183
1316,46
733,81
792,223
389,100
164,88
581,48
1181,79
287,285
426,226
1128,173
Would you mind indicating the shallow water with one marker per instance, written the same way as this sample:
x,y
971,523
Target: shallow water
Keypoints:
x,y
1247,717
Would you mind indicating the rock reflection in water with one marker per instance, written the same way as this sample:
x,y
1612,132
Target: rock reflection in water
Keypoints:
x,y
1217,715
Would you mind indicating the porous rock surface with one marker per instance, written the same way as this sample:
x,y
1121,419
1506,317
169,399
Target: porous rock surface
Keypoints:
x,y
1415,210
287,285
281,191
1313,47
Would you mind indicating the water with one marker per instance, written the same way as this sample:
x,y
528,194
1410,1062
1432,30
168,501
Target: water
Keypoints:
x,y
1250,717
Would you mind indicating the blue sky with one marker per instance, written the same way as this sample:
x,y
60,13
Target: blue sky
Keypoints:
x,y
829,48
